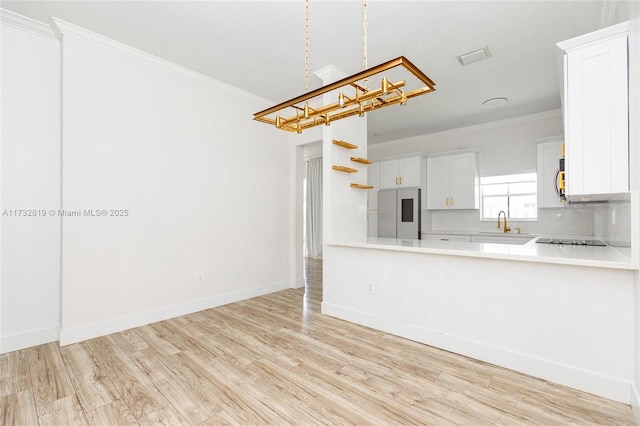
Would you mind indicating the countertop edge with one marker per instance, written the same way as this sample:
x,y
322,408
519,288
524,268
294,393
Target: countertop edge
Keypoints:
x,y
624,265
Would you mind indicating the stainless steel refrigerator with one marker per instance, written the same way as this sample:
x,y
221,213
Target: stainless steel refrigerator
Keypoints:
x,y
399,213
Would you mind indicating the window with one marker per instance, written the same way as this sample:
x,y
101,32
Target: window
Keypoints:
x,y
513,194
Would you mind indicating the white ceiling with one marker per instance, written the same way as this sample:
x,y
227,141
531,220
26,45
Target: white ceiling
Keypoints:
x,y
258,46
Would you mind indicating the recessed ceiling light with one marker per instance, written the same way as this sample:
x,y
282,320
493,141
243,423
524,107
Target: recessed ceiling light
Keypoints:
x,y
495,102
475,56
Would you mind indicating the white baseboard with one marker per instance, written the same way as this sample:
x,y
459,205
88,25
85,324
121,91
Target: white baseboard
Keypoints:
x,y
89,331
635,403
589,381
28,339
299,283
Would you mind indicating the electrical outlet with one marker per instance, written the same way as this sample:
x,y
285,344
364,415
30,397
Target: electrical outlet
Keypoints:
x,y
200,277
370,287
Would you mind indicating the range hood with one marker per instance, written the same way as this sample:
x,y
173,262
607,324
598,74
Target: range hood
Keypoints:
x,y
597,198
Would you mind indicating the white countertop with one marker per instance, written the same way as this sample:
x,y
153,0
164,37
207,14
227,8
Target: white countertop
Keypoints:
x,y
602,257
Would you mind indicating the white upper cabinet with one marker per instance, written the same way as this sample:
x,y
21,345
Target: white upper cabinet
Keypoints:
x,y
409,171
463,181
549,154
596,115
438,182
388,174
401,173
452,181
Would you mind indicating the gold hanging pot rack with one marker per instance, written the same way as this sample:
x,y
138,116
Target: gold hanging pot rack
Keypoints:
x,y
354,98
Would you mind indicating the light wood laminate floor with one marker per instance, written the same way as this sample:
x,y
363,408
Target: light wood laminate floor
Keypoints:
x,y
276,360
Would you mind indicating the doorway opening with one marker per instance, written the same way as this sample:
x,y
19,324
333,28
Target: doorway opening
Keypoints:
x,y
312,202
312,216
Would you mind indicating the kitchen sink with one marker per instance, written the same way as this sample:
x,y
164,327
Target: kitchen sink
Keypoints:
x,y
505,234
517,239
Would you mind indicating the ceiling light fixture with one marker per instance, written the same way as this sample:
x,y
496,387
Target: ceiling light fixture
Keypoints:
x,y
403,81
494,103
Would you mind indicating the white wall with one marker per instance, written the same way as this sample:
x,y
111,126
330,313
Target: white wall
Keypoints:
x,y
506,146
634,169
30,149
207,191
312,150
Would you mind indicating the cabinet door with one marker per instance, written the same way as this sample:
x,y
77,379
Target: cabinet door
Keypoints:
x,y
463,181
597,118
373,179
409,171
389,174
438,183
549,154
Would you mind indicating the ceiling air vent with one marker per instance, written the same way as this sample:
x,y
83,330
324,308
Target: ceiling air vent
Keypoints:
x,y
475,56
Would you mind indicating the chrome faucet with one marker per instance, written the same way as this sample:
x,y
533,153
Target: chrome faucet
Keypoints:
x,y
506,228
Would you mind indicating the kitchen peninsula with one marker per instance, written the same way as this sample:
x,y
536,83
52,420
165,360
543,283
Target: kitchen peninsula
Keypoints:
x,y
529,251
534,308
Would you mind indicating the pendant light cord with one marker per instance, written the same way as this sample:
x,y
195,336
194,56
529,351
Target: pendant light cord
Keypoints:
x,y
364,34
306,46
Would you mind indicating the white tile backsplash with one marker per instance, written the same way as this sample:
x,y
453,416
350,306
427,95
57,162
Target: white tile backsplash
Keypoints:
x,y
606,221
613,223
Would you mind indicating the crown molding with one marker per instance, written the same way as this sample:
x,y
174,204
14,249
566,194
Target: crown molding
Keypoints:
x,y
26,24
67,29
470,129
594,36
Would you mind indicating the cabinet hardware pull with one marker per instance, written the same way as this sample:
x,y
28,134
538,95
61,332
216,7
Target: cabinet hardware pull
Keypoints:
x,y
446,201
451,201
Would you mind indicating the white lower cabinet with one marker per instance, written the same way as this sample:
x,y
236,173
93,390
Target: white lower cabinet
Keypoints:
x,y
452,181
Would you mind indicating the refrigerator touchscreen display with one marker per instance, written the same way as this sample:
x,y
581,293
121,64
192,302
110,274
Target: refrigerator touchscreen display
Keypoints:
x,y
407,209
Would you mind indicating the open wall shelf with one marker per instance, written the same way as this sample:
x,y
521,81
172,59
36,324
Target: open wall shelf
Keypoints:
x,y
344,169
344,144
359,186
361,160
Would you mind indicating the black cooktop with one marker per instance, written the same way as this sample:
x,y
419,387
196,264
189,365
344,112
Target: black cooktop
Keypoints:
x,y
570,242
